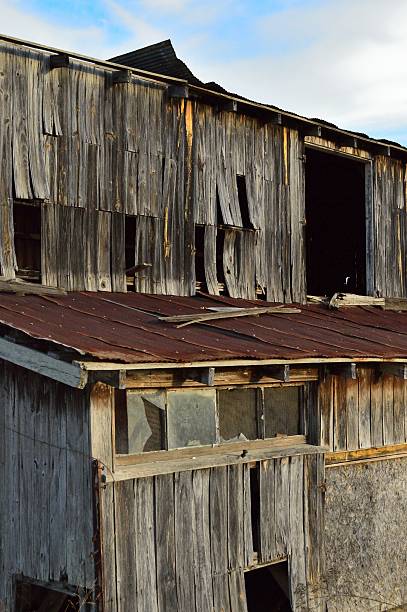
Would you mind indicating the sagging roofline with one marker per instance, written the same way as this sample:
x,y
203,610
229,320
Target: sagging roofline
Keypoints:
x,y
306,126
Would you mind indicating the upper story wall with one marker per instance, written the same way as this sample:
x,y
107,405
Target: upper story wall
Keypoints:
x,y
124,172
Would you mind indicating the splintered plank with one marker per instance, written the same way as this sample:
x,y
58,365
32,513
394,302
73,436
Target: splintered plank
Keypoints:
x,y
184,542
376,409
145,546
314,529
388,406
353,416
103,250
399,409
282,504
235,516
126,525
118,253
202,542
219,537
340,413
237,591
21,170
298,580
165,543
365,439
108,560
247,524
267,511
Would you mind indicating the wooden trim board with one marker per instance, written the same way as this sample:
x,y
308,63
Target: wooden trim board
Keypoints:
x,y
365,454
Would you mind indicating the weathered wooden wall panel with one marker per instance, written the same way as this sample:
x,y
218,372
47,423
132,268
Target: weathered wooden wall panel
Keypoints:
x,y
370,411
390,227
46,507
80,138
193,530
366,556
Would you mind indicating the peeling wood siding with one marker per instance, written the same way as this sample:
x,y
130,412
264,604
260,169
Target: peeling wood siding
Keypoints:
x,y
92,151
390,223
365,413
191,536
46,474
71,137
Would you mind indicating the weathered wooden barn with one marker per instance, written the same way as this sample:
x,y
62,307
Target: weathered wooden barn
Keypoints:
x,y
187,424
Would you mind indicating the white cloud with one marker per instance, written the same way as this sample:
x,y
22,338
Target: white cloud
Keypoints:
x,y
342,61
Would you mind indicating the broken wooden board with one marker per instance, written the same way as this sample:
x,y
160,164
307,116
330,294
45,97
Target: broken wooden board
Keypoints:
x,y
189,319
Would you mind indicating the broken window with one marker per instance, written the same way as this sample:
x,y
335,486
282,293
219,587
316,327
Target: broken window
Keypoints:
x,y
139,422
158,420
27,240
282,411
243,201
267,588
191,418
237,409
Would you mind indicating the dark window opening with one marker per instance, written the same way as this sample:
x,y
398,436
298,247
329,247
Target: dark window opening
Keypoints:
x,y
130,249
237,410
200,278
267,589
27,241
336,227
219,214
255,507
32,597
282,411
243,201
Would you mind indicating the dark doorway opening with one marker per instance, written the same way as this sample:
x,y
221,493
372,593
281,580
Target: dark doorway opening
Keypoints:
x,y
33,597
267,589
336,224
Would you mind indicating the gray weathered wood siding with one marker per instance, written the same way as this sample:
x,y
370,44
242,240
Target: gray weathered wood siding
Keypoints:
x,y
390,227
92,151
182,541
365,544
368,412
46,514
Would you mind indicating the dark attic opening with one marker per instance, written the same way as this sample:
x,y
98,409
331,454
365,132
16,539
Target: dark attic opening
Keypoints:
x,y
335,207
27,240
267,588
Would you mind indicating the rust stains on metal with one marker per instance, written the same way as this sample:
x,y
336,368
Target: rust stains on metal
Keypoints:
x,y
128,328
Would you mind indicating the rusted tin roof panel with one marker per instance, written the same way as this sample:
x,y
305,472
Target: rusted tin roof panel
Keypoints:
x,y
126,328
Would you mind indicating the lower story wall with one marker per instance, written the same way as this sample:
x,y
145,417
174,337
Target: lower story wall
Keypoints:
x,y
181,542
365,536
46,520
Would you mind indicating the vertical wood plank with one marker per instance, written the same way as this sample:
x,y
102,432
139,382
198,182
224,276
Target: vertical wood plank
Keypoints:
x,y
235,516
364,380
145,546
376,409
219,537
267,511
298,580
184,542
202,542
126,551
399,410
165,542
388,407
354,408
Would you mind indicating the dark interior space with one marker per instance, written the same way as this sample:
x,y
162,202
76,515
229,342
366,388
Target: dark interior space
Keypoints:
x,y
336,226
27,240
243,202
32,597
130,249
200,258
267,589
255,507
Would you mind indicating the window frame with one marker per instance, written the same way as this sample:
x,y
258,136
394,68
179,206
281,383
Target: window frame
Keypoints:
x,y
219,446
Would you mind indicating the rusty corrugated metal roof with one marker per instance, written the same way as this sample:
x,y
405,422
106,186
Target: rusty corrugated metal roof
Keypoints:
x,y
125,327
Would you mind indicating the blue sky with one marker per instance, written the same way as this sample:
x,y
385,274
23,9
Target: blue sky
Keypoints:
x,y
339,60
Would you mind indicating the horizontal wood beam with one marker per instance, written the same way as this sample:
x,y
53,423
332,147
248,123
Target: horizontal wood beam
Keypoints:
x,y
199,377
228,106
365,454
346,370
70,374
